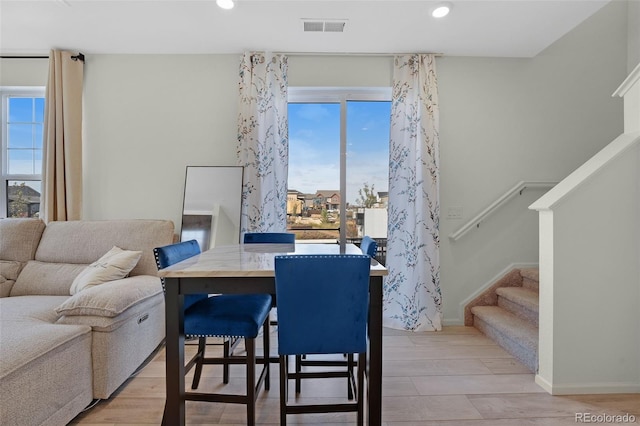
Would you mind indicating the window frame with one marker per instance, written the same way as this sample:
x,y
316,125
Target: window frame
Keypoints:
x,y
339,95
5,93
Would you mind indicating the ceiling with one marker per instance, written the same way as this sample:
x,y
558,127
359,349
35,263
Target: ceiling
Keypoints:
x,y
505,28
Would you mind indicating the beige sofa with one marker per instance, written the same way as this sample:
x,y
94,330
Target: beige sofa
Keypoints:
x,y
59,352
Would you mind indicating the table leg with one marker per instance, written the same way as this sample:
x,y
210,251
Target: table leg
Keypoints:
x,y
174,411
374,378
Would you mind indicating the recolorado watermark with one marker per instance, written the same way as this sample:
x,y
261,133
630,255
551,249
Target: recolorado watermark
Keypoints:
x,y
605,418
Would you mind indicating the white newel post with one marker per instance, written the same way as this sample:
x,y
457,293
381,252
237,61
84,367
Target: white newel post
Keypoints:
x,y
630,91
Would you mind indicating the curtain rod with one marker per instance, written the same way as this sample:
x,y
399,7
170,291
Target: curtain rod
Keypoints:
x,y
23,57
78,57
355,53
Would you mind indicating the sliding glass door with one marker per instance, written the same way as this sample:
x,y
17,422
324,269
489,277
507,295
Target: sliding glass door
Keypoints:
x,y
338,163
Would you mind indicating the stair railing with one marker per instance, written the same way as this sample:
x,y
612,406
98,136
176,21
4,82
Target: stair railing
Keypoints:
x,y
518,189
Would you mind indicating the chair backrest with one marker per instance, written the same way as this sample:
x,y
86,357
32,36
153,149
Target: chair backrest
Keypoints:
x,y
322,303
369,246
174,253
269,237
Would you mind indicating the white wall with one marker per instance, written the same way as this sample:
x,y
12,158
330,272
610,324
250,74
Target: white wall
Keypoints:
x,y
146,118
633,27
507,120
340,71
502,120
23,72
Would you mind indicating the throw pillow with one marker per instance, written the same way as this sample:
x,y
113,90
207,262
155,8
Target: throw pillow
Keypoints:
x,y
114,265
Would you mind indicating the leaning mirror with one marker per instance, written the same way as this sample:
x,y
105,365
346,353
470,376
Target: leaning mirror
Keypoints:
x,y
211,208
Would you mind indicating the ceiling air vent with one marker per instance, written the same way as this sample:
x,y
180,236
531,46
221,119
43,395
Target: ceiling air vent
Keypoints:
x,y
323,26
334,26
313,26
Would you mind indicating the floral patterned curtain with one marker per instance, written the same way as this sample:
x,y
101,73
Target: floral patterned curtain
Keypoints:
x,y
412,297
263,147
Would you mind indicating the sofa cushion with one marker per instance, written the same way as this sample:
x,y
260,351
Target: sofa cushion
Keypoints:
x,y
113,265
9,269
5,286
46,278
86,241
30,308
23,343
45,370
111,299
20,238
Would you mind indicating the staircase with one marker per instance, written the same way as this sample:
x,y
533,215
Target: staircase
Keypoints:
x,y
508,313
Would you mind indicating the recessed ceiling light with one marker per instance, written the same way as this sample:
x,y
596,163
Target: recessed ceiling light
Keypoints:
x,y
441,10
225,4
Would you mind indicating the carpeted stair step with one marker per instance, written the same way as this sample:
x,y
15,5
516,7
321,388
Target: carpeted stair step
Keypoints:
x,y
530,278
517,336
520,301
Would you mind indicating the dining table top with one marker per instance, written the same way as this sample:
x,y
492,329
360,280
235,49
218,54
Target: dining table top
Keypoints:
x,y
254,260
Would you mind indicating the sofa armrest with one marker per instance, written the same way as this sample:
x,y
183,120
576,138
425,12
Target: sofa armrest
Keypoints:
x,y
111,299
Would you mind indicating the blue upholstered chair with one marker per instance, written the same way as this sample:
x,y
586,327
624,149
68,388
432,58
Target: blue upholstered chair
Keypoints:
x,y
369,246
272,238
323,303
269,237
227,316
168,255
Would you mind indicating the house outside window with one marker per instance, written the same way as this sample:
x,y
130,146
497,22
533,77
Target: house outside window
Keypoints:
x,y
21,153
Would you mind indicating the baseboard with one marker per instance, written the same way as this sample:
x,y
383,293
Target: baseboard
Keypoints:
x,y
452,321
488,284
587,388
544,384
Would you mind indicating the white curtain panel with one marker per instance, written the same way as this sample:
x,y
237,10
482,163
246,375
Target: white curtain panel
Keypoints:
x,y
263,147
412,297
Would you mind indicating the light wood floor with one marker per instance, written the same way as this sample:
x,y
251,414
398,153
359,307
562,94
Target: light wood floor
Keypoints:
x,y
449,378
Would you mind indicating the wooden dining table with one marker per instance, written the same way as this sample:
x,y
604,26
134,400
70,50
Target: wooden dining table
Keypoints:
x,y
249,268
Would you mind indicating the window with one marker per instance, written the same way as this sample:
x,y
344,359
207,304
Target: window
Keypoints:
x,y
338,163
21,155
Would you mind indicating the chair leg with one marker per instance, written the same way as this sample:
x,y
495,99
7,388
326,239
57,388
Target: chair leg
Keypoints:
x,y
226,352
284,388
360,391
251,381
298,370
265,354
350,373
202,345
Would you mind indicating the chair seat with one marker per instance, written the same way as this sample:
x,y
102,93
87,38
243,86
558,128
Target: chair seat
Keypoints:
x,y
228,315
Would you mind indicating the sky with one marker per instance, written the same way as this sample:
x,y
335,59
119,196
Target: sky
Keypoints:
x,y
25,118
314,146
